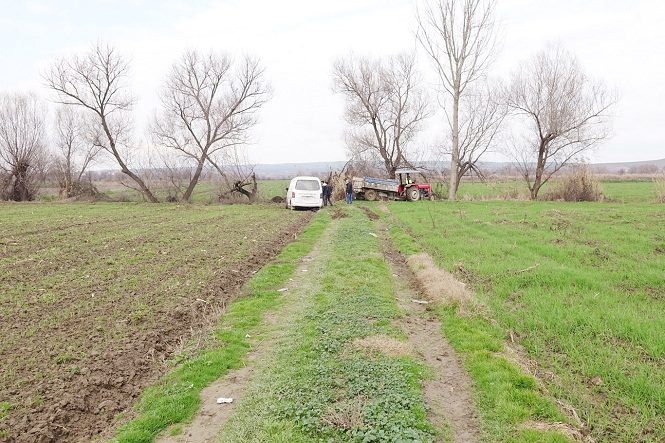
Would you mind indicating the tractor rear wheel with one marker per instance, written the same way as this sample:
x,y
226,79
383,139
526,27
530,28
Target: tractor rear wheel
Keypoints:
x,y
370,195
413,194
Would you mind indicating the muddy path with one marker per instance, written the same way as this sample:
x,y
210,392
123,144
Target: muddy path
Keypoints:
x,y
447,393
212,415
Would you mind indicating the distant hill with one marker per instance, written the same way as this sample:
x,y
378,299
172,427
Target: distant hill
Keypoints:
x,y
288,170
627,166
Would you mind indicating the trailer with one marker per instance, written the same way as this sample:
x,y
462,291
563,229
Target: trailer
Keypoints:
x,y
402,188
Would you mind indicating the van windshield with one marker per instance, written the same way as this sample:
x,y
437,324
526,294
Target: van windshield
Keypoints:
x,y
307,185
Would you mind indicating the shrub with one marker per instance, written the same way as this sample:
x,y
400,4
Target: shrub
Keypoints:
x,y
580,185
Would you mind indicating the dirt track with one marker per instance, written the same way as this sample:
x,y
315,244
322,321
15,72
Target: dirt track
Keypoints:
x,y
447,393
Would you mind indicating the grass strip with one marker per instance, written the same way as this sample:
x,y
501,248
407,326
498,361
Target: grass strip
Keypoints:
x,y
175,399
319,385
504,395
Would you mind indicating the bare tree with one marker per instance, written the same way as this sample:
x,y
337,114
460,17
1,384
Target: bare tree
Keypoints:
x,y
481,116
459,36
97,82
22,143
209,105
75,150
385,107
564,114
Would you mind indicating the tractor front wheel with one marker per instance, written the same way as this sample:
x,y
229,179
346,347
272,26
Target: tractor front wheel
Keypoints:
x,y
413,194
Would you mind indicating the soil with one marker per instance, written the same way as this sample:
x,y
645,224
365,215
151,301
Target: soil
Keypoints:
x,y
95,376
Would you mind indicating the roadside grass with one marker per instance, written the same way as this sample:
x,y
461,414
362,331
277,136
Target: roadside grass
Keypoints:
x,y
579,287
319,385
175,399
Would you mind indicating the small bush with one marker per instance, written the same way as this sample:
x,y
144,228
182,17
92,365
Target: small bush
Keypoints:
x,y
580,185
659,187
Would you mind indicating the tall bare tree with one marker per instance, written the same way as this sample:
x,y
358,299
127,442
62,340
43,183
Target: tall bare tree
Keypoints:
x,y
481,117
459,36
385,106
564,114
210,104
97,82
75,150
22,143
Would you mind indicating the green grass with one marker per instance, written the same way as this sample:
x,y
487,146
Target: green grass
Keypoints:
x,y
317,386
176,398
581,285
614,190
271,188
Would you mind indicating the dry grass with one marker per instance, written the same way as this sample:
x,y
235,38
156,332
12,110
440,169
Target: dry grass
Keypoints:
x,y
566,429
659,187
441,287
580,185
384,345
345,414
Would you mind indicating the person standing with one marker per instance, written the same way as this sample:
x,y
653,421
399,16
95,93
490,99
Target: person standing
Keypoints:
x,y
326,195
349,192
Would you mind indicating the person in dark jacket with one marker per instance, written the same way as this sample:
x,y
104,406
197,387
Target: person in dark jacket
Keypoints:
x,y
327,192
349,192
324,192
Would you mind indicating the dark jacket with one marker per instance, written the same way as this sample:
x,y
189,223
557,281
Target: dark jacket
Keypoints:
x,y
349,188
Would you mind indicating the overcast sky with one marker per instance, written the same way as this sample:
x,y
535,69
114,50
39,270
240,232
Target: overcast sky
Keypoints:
x,y
619,41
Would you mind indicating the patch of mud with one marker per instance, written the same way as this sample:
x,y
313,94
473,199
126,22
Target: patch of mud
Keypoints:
x,y
448,393
338,213
369,213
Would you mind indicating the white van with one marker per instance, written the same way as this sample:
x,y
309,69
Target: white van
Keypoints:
x,y
304,192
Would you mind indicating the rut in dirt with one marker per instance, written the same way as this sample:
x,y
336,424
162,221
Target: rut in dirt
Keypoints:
x,y
448,393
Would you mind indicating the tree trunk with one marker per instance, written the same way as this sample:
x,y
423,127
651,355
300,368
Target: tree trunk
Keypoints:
x,y
123,167
540,169
20,191
454,158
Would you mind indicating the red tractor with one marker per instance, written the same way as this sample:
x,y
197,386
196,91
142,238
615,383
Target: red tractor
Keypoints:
x,y
403,188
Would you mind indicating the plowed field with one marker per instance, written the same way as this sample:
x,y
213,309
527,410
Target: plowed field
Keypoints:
x,y
97,300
